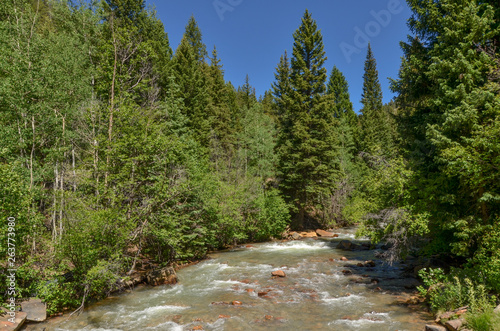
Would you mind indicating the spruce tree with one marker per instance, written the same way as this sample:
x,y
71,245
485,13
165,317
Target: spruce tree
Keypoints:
x,y
221,117
191,77
193,36
306,147
375,135
449,116
338,87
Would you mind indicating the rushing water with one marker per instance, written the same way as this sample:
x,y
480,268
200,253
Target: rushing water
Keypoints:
x,y
317,294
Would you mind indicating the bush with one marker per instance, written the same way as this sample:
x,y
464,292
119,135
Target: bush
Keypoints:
x,y
58,295
446,292
484,321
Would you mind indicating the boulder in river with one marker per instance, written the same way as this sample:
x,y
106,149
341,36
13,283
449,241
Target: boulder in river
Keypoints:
x,y
163,276
454,324
278,273
433,327
346,245
323,233
12,321
35,309
295,236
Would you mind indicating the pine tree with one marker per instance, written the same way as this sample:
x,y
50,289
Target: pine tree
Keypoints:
x,y
193,36
338,87
306,143
281,91
191,77
375,135
246,94
220,111
449,117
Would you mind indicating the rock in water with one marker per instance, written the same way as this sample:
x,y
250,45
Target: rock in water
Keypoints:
x,y
278,273
345,245
163,276
434,328
35,310
454,324
323,233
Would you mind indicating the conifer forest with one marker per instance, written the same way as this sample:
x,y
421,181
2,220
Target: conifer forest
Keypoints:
x,y
116,146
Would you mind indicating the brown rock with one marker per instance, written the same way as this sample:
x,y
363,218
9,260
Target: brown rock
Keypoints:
x,y
262,294
370,264
19,319
308,234
434,328
343,258
347,272
360,264
268,317
345,245
454,325
249,290
224,316
35,309
250,246
295,236
198,327
236,303
162,276
278,273
323,233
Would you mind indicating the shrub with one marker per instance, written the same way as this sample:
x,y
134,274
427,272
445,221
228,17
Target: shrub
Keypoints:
x,y
446,292
484,321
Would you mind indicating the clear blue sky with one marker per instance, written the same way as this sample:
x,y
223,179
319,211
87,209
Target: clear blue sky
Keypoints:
x,y
251,35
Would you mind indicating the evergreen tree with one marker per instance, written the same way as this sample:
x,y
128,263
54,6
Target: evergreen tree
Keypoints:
x,y
338,87
449,119
246,94
375,133
281,91
194,38
191,77
306,147
220,111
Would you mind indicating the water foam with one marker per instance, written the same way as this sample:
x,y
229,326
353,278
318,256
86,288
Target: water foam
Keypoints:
x,y
296,245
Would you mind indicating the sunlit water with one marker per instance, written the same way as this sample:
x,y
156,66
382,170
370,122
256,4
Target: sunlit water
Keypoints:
x,y
315,295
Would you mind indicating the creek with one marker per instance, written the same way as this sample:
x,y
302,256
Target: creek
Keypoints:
x,y
234,290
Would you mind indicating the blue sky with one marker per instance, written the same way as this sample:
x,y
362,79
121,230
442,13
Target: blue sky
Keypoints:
x,y
251,35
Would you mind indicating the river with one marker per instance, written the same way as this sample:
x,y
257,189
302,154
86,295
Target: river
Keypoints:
x,y
234,290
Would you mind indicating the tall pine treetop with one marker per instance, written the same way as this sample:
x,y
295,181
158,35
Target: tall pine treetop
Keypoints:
x,y
194,37
308,76
338,87
372,92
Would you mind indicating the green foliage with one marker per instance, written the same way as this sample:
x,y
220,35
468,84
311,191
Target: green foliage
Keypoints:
x,y
58,295
101,279
271,216
487,256
306,142
448,292
483,321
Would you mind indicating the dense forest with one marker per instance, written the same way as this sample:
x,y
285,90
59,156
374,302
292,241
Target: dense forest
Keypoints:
x,y
116,147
